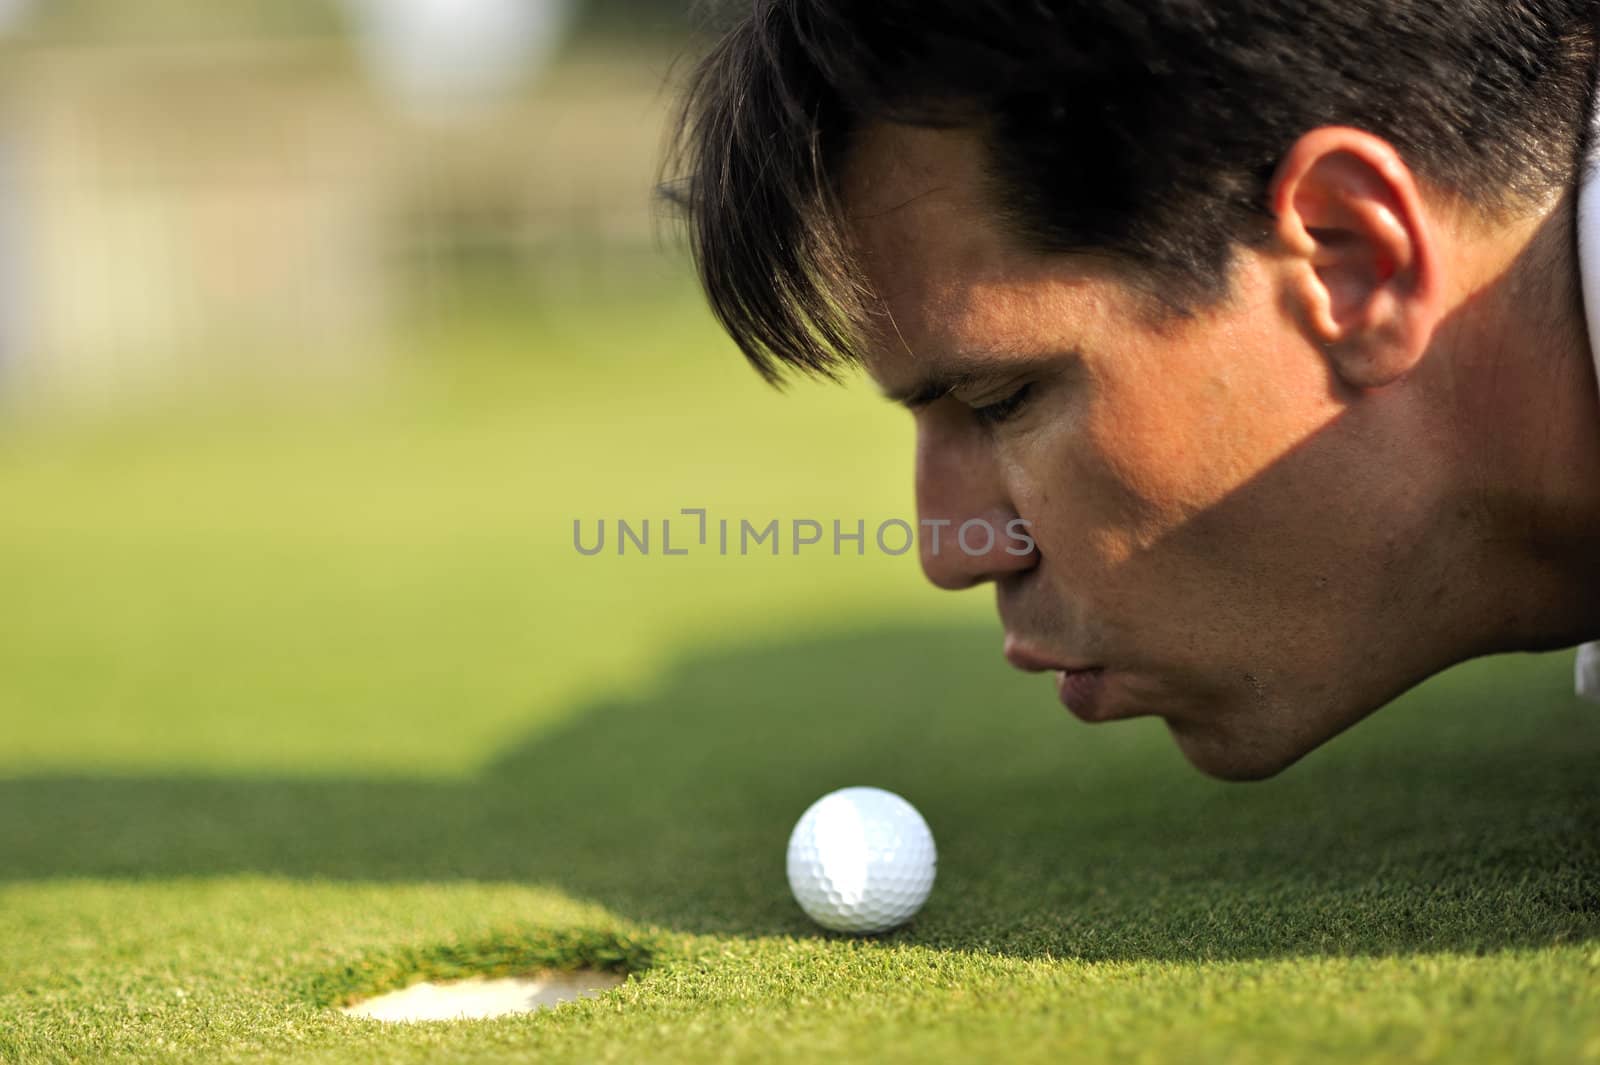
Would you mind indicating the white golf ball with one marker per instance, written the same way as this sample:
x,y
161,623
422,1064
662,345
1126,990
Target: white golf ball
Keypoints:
x,y
861,860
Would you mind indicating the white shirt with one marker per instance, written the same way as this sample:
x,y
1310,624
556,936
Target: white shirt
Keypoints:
x,y
1589,269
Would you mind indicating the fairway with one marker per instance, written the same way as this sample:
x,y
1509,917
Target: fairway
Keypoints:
x,y
301,702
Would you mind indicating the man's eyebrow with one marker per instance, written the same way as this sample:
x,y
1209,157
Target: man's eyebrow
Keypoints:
x,y
931,387
939,382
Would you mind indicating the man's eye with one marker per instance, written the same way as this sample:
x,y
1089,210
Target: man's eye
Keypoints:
x,y
995,413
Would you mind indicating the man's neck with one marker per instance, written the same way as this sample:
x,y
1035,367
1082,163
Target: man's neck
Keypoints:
x,y
1531,429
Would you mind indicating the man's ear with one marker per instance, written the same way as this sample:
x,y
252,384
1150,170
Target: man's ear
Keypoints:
x,y
1366,256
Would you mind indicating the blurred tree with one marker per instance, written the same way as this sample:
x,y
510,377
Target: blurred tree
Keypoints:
x,y
199,19
157,20
634,18
178,20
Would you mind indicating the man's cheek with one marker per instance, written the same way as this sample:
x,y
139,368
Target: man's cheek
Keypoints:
x,y
1079,507
1141,484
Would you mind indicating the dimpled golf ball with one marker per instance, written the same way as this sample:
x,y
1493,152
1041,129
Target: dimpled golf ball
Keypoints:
x,y
861,860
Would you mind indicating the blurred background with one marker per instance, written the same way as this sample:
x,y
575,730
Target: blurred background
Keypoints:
x,y
277,188
321,322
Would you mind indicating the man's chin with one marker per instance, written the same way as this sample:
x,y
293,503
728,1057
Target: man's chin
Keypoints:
x,y
1219,752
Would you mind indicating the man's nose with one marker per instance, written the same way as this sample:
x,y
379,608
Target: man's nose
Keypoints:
x,y
968,530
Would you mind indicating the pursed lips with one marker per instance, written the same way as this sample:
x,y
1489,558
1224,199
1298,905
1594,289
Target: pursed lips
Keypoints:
x,y
1080,685
1025,656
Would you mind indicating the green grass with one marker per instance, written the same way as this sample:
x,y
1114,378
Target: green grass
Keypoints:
x,y
298,703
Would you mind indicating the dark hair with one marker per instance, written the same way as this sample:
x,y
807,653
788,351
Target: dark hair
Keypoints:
x,y
1185,107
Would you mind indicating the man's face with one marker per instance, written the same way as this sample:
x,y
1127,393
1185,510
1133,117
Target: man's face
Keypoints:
x,y
1220,523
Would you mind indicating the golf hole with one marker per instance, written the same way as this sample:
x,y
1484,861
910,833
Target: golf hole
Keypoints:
x,y
480,998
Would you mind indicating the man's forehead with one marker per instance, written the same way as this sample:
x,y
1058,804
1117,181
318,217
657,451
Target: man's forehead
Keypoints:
x,y
938,346
916,212
934,259
955,292
893,166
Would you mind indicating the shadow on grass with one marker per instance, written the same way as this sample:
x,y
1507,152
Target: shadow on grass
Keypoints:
x,y
1466,817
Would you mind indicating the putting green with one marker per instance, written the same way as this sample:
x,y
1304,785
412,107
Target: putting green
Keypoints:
x,y
301,704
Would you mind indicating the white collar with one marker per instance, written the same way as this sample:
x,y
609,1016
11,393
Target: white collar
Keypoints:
x,y
1589,270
